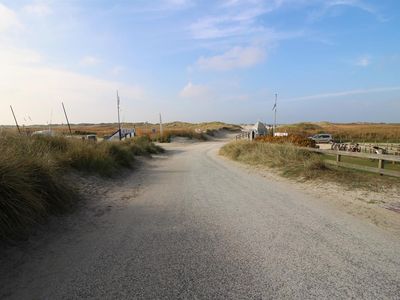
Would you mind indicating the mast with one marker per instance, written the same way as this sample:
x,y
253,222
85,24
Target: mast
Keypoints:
x,y
119,120
66,117
275,108
161,127
15,119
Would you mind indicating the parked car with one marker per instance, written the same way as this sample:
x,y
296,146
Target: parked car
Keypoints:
x,y
90,138
322,138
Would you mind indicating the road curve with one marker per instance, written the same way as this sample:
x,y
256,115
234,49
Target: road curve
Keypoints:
x,y
200,227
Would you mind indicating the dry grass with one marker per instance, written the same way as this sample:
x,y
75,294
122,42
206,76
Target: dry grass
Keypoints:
x,y
143,129
353,132
290,161
32,171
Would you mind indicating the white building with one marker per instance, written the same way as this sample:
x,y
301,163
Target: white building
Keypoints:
x,y
259,129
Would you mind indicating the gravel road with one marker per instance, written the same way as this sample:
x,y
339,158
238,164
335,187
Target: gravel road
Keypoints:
x,y
192,225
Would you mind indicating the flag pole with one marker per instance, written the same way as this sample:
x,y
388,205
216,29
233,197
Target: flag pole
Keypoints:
x,y
119,120
161,127
276,100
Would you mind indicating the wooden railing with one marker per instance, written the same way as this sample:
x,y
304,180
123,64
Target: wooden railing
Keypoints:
x,y
380,158
243,135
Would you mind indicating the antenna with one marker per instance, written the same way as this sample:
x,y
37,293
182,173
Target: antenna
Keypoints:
x,y
119,120
15,119
66,117
161,127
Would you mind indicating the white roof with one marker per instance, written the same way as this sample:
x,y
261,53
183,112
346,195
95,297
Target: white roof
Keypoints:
x,y
259,126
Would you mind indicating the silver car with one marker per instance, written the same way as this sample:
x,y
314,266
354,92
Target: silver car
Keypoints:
x,y
322,138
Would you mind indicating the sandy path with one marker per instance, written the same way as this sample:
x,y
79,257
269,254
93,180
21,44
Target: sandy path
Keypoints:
x,y
191,225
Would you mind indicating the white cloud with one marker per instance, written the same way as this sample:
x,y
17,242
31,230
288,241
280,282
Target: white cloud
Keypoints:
x,y
8,19
34,89
358,4
15,56
194,91
89,61
363,61
234,18
117,70
39,9
347,93
178,2
227,25
237,57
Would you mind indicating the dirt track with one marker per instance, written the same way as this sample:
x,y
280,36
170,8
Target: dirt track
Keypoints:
x,y
190,225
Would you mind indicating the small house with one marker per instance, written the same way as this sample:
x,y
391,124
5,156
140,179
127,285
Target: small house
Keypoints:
x,y
259,129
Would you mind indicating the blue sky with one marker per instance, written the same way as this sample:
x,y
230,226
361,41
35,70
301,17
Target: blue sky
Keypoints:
x,y
329,60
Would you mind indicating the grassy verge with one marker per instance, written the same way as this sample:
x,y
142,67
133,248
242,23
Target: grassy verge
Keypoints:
x,y
169,134
32,170
294,162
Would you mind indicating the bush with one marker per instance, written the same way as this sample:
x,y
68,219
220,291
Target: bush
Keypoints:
x,y
296,140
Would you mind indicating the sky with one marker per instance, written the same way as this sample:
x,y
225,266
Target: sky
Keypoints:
x,y
200,60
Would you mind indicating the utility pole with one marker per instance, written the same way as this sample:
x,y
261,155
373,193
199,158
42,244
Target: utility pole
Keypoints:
x,y
161,128
15,119
66,117
119,121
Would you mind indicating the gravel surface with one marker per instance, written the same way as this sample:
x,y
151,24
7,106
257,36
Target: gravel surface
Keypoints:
x,y
192,225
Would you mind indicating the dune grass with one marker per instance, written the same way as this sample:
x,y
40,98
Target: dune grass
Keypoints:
x,y
188,133
352,132
291,161
33,169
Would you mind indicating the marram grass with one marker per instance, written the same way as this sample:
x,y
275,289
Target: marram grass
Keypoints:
x,y
32,174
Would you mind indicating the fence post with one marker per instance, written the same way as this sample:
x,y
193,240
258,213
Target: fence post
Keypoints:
x,y
381,164
338,158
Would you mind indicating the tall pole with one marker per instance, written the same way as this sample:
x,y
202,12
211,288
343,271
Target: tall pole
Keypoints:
x,y
66,117
15,119
276,100
119,121
161,129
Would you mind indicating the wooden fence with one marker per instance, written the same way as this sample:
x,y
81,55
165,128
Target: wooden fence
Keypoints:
x,y
243,135
379,158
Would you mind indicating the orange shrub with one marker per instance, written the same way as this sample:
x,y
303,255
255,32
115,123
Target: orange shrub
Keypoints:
x,y
296,140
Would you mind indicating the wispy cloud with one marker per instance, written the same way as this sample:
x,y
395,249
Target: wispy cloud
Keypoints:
x,y
231,22
37,8
195,91
117,70
15,56
363,61
24,77
8,19
328,5
345,93
237,57
178,3
89,61
237,34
